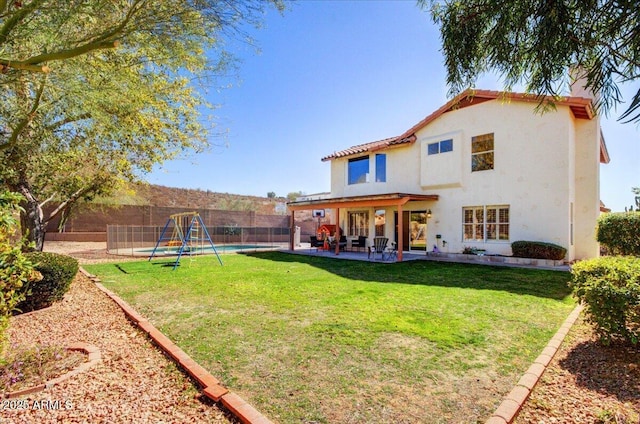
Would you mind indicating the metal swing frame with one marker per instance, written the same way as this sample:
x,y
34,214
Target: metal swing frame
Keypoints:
x,y
187,239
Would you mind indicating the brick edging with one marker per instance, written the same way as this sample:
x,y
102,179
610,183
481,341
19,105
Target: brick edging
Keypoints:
x,y
513,402
211,386
94,357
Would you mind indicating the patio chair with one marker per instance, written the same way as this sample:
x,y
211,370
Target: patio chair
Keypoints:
x,y
342,243
315,243
379,244
360,243
391,252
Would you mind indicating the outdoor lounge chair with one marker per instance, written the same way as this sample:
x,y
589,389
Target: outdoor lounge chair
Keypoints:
x,y
391,252
379,244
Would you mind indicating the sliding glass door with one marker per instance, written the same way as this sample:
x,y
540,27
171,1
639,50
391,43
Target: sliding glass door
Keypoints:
x,y
417,230
414,230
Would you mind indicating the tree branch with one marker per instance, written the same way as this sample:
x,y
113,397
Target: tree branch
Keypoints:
x,y
69,53
70,201
16,18
33,64
25,121
68,120
48,200
6,64
104,41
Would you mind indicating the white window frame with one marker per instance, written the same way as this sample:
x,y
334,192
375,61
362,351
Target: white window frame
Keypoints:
x,y
358,227
439,145
487,221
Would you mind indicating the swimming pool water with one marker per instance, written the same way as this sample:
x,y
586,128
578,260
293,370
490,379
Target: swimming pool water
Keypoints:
x,y
220,248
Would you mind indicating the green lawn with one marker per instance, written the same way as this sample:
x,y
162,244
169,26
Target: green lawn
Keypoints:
x,y
324,340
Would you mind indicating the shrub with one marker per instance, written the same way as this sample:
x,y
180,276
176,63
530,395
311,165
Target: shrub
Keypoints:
x,y
16,271
469,250
620,233
57,273
538,250
610,289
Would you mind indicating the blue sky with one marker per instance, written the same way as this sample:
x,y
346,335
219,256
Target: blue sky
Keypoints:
x,y
332,74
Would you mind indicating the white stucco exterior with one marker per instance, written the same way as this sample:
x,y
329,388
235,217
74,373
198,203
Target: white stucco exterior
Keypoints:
x,y
545,176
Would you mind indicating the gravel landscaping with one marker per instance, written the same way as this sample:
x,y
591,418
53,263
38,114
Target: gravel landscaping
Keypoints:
x,y
133,382
587,383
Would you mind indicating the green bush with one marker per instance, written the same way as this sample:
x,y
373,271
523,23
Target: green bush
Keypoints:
x,y
538,250
57,273
16,271
620,233
610,289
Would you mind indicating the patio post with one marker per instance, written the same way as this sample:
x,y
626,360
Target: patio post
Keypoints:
x,y
337,233
400,233
292,230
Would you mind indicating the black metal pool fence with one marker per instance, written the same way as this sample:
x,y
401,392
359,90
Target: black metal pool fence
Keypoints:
x,y
127,239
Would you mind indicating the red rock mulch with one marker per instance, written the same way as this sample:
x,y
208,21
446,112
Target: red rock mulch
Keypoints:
x,y
133,382
587,383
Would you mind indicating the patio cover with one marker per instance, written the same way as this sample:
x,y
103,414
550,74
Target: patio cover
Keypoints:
x,y
378,200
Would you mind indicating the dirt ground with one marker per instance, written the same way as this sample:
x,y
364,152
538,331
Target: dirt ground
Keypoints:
x,y
85,252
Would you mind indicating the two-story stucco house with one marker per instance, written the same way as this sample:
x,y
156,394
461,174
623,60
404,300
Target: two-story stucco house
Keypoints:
x,y
482,171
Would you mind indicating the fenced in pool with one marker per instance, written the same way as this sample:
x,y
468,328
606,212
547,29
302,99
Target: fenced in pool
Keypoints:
x,y
139,240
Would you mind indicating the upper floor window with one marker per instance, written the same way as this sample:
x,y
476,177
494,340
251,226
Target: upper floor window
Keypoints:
x,y
358,170
440,147
482,152
381,168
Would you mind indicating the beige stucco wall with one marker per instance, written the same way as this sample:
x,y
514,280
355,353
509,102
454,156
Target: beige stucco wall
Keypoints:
x,y
542,165
587,188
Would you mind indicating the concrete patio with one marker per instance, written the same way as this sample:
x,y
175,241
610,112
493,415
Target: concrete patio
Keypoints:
x,y
355,255
306,249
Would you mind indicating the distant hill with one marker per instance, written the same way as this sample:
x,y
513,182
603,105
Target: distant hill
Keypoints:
x,y
157,195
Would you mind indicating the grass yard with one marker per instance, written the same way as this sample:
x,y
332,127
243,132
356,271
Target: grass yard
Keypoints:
x,y
322,340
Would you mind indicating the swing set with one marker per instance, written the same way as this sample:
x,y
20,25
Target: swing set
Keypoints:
x,y
189,236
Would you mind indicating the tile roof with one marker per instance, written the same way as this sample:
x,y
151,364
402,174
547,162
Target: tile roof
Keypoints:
x,y
582,108
371,147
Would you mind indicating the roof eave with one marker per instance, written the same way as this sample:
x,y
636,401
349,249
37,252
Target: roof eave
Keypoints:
x,y
389,199
581,108
604,152
375,146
